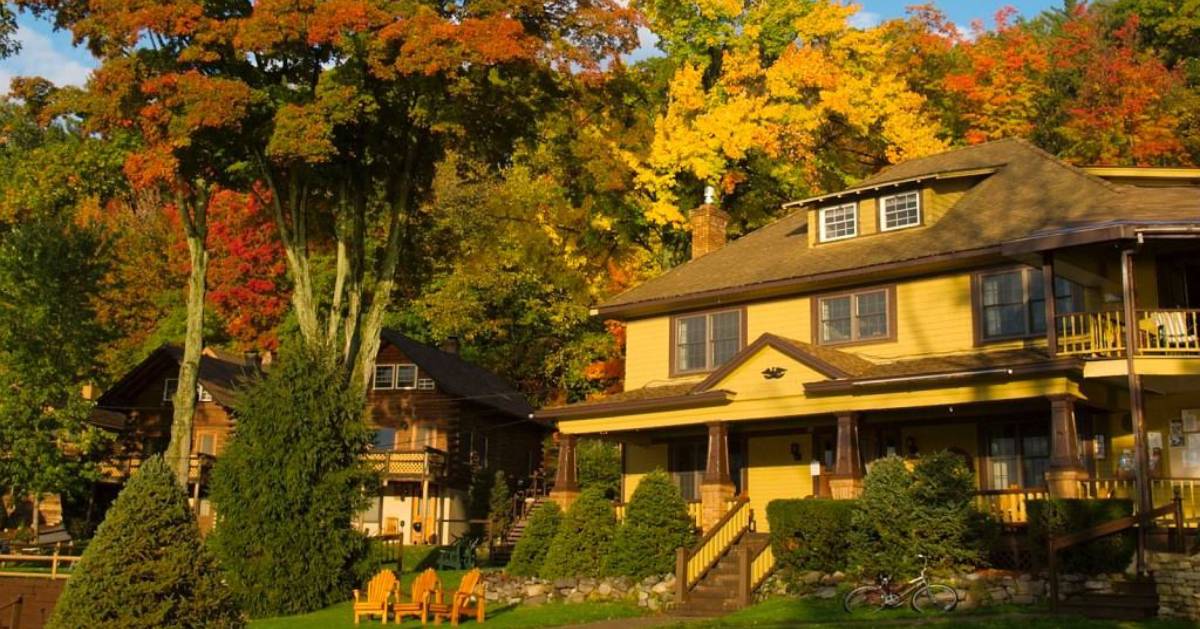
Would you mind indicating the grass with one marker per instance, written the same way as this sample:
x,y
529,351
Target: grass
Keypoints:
x,y
790,612
510,617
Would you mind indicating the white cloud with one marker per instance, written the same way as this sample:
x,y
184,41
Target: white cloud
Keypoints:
x,y
865,19
40,56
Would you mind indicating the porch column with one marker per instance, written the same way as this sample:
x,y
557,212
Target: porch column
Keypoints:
x,y
846,481
716,487
1066,466
566,479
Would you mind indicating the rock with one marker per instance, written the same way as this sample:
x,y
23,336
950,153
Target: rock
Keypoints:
x,y
643,595
1023,600
650,580
586,586
660,588
1095,584
535,601
653,604
604,589
811,577
826,592
576,597
839,576
535,590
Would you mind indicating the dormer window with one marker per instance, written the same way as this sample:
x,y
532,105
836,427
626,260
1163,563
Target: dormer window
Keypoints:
x,y
900,210
839,221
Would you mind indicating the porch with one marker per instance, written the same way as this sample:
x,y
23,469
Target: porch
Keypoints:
x,y
407,464
1163,333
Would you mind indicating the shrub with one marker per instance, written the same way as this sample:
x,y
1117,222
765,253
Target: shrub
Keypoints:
x,y
583,538
903,514
656,524
811,534
147,567
1061,516
531,549
599,466
288,486
499,506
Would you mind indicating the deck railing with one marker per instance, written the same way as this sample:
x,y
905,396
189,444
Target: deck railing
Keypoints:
x,y
1162,332
692,564
120,468
1008,505
420,463
53,566
1162,491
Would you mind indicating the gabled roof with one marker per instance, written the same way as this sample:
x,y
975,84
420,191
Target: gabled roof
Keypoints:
x,y
1023,192
461,378
831,363
221,373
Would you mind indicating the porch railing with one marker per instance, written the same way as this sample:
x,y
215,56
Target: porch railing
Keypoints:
x,y
1162,490
1008,505
694,509
692,564
421,463
54,566
1162,332
120,468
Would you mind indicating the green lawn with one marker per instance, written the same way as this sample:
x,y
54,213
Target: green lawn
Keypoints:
x,y
788,612
550,615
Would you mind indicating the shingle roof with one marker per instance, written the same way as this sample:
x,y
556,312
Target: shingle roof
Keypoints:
x,y
461,378
1029,193
221,373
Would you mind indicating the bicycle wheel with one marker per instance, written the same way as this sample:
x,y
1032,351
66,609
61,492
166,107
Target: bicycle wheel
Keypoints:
x,y
867,599
935,597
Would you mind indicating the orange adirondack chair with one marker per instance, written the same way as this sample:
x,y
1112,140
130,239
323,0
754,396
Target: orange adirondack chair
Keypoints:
x,y
460,602
423,588
375,603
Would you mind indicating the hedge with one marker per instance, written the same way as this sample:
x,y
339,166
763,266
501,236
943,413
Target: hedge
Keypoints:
x,y
1061,516
530,552
584,538
811,534
656,525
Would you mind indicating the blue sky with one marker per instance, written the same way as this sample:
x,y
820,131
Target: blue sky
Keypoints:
x,y
50,54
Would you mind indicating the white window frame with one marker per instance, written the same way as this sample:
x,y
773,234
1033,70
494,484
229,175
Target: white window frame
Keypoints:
x,y
883,227
203,394
415,379
853,205
169,391
426,384
391,382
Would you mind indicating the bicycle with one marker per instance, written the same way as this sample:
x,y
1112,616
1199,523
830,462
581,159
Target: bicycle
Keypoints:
x,y
922,594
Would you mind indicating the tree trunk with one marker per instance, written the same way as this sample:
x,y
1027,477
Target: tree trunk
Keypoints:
x,y
180,448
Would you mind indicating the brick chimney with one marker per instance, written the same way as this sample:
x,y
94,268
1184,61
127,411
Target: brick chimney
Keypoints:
x,y
450,345
708,226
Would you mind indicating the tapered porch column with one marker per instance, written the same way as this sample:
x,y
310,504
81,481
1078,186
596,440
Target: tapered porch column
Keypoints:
x,y
846,481
716,487
1066,466
566,478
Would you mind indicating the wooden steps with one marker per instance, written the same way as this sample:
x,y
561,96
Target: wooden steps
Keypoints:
x,y
1130,600
502,552
716,593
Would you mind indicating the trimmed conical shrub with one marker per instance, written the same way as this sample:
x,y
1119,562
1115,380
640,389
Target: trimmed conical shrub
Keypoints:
x,y
583,539
287,488
530,553
146,566
656,524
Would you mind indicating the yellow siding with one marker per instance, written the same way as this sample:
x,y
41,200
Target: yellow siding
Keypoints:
x,y
942,196
772,473
868,216
639,461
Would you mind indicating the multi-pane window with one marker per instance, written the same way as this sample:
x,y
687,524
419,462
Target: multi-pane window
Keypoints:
x,y
900,210
861,316
395,377
686,462
707,341
839,221
170,386
1018,456
384,439
1013,302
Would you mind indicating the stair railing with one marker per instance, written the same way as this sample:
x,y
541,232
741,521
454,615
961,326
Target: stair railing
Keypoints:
x,y
1112,527
692,564
14,612
753,569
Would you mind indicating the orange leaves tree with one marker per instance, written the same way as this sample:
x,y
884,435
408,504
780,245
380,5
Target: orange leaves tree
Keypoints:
x,y
341,109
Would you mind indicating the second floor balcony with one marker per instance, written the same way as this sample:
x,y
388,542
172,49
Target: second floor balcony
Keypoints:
x,y
408,464
1161,333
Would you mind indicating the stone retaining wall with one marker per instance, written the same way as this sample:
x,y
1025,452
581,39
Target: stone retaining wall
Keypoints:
x,y
1178,579
653,593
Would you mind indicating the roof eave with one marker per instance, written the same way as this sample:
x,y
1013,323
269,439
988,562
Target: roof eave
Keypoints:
x,y
602,409
947,175
1059,365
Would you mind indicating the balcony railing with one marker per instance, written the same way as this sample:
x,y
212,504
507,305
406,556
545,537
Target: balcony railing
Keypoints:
x,y
1102,334
120,468
411,464
1162,491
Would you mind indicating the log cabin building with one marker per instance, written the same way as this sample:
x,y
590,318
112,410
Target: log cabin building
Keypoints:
x,y
436,418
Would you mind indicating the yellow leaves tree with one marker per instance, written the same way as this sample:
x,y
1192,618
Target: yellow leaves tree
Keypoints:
x,y
822,109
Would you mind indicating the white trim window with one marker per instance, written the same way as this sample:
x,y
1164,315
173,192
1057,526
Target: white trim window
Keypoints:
x,y
202,394
393,376
839,221
901,210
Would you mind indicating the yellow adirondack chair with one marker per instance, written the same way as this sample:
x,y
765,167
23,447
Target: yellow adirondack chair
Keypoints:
x,y
460,603
375,603
423,588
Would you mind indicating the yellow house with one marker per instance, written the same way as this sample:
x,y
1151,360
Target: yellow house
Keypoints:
x,y
1040,320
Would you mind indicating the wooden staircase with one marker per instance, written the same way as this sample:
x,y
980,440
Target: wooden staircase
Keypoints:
x,y
717,591
1130,600
502,552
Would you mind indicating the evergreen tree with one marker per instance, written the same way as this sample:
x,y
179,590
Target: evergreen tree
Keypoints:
x,y
147,567
530,553
583,539
656,524
287,487
500,506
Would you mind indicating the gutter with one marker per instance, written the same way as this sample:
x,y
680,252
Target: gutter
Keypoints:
x,y
602,409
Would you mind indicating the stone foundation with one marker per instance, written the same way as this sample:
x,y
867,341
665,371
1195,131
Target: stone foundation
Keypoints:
x,y
1178,579
653,593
